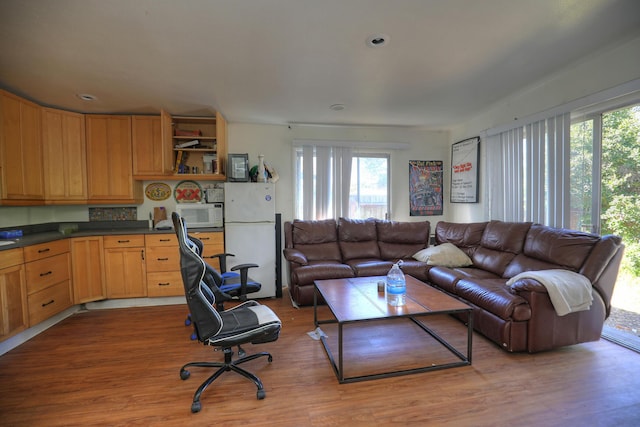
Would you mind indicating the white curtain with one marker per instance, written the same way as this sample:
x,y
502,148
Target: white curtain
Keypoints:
x,y
528,172
324,181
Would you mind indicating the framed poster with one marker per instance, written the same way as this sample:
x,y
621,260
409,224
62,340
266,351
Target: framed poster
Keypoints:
x,y
238,168
465,170
425,187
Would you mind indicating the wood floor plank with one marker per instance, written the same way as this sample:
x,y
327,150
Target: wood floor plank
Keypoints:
x,y
121,367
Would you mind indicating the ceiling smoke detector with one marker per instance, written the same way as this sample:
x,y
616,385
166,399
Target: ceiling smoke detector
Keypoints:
x,y
377,40
86,96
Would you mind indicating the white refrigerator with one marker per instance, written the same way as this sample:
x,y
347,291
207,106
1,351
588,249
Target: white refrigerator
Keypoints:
x,y
250,231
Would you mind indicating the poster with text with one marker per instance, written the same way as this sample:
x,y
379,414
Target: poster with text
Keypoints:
x,y
465,171
425,187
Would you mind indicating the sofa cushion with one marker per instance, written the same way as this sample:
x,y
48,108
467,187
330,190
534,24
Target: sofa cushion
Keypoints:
x,y
417,269
317,240
319,270
494,296
358,238
465,236
370,267
446,277
446,254
566,248
500,243
400,240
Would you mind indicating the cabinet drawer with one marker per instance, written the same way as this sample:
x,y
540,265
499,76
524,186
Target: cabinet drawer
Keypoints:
x,y
163,258
161,240
44,250
164,284
11,257
50,301
213,242
123,241
46,272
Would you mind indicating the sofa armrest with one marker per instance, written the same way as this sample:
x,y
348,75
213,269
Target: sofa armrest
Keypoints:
x,y
294,255
528,285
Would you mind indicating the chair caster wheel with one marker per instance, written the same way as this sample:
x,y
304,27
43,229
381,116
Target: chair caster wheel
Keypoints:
x,y
195,407
184,375
194,337
187,321
270,358
261,394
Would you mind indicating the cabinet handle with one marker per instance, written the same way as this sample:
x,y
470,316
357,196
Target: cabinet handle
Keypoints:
x,y
165,240
46,274
48,303
162,259
142,254
44,250
204,238
164,284
124,241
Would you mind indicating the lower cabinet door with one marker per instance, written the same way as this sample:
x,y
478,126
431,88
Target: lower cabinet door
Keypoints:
x,y
125,272
47,302
164,284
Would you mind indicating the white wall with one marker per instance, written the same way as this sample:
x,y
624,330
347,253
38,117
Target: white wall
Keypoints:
x,y
275,142
601,71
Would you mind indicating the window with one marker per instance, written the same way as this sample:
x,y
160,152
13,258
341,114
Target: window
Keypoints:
x,y
333,182
369,189
528,172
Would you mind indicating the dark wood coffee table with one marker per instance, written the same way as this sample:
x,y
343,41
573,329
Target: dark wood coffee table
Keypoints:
x,y
356,300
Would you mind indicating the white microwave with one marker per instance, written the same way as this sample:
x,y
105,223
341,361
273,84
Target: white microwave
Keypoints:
x,y
201,215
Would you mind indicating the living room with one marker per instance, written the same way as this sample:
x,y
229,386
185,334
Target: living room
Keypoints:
x,y
597,76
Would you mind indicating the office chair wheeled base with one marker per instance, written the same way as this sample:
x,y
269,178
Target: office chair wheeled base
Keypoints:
x,y
227,365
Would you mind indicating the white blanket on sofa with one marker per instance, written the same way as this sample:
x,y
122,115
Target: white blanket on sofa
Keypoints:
x,y
568,291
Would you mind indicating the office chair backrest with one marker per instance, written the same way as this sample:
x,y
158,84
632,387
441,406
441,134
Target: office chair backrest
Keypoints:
x,y
200,297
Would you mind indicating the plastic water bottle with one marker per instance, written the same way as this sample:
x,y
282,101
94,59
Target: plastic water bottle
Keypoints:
x,y
396,286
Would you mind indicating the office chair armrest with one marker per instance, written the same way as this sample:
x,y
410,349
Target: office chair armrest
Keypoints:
x,y
244,276
222,259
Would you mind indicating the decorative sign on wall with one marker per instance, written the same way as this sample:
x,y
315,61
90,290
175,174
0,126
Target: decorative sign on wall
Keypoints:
x,y
157,191
188,192
425,187
465,170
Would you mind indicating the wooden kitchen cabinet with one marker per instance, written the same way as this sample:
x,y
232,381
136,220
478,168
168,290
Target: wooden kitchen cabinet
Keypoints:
x,y
20,151
87,261
64,157
110,160
48,279
213,242
13,296
124,266
163,266
152,157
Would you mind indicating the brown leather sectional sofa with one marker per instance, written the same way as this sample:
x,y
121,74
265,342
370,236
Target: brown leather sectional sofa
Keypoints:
x,y
518,317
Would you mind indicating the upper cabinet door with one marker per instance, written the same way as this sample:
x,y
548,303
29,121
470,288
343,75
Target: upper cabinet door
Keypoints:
x,y
109,160
151,157
21,149
64,157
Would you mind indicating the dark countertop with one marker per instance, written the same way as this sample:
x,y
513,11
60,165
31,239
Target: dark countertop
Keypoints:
x,y
43,233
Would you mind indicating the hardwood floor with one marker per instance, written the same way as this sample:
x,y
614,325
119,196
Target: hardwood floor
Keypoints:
x,y
120,367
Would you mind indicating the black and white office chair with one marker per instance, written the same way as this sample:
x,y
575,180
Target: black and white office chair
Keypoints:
x,y
248,322
234,284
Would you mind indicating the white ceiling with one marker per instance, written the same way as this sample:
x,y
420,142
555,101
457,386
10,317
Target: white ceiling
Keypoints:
x,y
287,61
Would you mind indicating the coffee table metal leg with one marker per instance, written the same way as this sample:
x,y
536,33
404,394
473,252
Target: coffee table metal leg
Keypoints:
x,y
340,371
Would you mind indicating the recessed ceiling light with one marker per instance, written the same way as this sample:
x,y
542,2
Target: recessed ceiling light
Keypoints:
x,y
86,97
377,40
337,107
